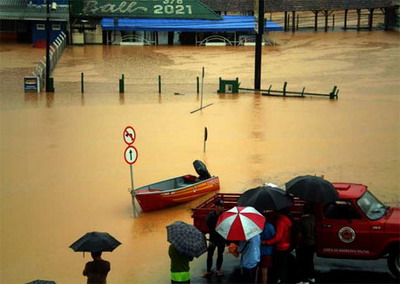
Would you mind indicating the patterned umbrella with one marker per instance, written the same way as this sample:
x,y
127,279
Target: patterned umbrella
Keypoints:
x,y
265,198
240,223
312,188
186,239
94,242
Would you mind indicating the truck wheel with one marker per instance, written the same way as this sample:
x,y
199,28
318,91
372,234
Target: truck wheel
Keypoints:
x,y
394,263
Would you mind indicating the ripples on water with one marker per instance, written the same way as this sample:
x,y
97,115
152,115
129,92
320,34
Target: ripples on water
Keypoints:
x,y
62,166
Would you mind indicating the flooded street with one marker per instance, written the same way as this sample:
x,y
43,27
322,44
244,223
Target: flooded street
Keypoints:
x,y
61,155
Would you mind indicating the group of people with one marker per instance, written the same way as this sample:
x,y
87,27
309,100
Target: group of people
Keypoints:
x,y
266,254
269,253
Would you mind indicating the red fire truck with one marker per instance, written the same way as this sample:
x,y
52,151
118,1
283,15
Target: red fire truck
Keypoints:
x,y
357,226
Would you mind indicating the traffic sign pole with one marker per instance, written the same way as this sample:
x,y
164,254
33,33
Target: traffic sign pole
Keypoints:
x,y
130,156
133,192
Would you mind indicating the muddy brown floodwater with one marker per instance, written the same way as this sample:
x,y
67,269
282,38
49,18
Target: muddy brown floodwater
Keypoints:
x,y
62,167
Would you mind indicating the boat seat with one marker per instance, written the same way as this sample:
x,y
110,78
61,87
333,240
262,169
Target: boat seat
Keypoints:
x,y
180,184
189,179
154,189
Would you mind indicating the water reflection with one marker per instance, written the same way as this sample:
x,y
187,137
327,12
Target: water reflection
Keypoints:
x,y
122,98
71,177
49,99
32,98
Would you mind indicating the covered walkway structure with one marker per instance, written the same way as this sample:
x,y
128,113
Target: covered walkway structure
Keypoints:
x,y
241,27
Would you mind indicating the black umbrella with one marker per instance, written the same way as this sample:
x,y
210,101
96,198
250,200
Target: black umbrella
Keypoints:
x,y
186,239
95,242
42,282
265,198
312,188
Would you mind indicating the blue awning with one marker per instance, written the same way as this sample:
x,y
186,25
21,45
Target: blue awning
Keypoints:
x,y
227,24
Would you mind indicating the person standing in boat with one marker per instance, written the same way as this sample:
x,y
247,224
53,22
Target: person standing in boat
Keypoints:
x,y
216,241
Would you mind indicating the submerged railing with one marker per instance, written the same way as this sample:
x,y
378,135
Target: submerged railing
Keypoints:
x,y
37,77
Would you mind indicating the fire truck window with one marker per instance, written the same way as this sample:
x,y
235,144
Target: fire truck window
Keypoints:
x,y
341,211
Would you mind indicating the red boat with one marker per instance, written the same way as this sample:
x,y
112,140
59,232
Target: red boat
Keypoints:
x,y
176,190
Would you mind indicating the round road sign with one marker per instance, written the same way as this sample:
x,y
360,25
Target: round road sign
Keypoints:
x,y
130,155
129,135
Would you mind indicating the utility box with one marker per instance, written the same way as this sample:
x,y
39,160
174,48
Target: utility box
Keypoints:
x,y
228,86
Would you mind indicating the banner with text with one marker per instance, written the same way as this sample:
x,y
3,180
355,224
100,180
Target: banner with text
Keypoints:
x,y
173,9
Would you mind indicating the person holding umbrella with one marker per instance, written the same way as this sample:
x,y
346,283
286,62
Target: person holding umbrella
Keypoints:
x,y
243,224
266,250
96,271
250,257
306,245
281,240
180,269
96,243
215,241
186,242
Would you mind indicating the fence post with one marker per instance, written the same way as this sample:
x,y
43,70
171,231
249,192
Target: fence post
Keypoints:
x,y
332,94
82,84
121,84
198,84
284,88
159,84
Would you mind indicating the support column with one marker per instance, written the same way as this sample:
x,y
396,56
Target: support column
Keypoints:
x,y
293,21
315,20
286,16
326,20
170,38
370,18
48,27
258,49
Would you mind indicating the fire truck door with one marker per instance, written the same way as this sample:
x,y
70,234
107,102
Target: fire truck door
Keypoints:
x,y
342,231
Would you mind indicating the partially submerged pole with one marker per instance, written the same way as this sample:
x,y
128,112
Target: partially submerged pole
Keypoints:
x,y
133,192
284,88
259,17
205,139
121,84
82,84
202,86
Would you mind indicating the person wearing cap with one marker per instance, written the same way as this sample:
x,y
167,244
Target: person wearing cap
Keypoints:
x,y
215,241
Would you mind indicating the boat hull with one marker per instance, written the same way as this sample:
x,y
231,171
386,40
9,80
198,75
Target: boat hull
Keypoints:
x,y
158,200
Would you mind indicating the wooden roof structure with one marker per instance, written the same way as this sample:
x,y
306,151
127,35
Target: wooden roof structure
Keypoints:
x,y
246,6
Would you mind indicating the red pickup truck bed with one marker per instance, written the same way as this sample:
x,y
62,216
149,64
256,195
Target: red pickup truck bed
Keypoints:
x,y
200,213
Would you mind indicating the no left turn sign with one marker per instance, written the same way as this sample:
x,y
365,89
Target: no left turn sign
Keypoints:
x,y
130,155
129,135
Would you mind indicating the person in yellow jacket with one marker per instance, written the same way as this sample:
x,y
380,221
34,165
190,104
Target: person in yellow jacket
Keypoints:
x,y
180,270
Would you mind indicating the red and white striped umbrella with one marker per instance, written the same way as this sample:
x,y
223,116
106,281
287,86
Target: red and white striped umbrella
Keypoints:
x,y
240,223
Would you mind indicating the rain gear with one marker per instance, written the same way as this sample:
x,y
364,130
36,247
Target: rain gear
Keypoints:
x,y
282,234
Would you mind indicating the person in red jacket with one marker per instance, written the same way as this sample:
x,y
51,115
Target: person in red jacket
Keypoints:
x,y
281,241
